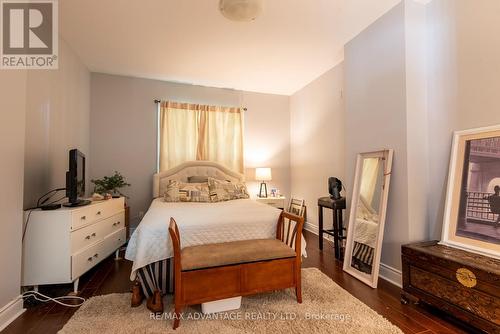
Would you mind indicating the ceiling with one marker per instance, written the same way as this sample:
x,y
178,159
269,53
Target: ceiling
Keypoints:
x,y
189,41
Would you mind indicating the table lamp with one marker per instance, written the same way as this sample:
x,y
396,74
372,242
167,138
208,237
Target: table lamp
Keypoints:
x,y
263,174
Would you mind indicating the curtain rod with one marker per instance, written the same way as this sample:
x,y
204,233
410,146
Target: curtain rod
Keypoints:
x,y
159,101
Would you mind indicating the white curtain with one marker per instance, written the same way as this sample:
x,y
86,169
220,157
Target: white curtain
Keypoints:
x,y
200,132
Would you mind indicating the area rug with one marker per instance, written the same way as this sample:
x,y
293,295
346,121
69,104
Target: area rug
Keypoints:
x,y
326,308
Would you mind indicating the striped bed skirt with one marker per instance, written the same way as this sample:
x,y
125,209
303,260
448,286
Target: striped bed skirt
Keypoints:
x,y
362,257
157,276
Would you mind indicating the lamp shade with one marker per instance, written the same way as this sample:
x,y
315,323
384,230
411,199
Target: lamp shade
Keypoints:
x,y
263,174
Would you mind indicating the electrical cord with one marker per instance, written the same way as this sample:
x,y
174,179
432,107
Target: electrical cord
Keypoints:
x,y
43,298
57,200
53,192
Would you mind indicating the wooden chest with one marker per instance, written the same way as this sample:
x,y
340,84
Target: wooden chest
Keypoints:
x,y
464,284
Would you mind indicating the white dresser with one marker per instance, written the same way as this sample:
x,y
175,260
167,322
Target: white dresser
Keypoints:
x,y
277,202
61,245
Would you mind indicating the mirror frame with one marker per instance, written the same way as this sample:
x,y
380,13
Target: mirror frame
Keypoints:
x,y
386,156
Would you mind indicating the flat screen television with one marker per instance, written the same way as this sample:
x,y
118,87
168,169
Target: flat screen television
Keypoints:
x,y
75,179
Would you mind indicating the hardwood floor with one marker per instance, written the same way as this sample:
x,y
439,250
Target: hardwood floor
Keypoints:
x,y
112,276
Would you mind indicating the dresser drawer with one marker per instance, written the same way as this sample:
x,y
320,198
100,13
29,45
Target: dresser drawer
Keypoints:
x,y
114,241
113,224
85,237
91,234
96,211
86,259
276,203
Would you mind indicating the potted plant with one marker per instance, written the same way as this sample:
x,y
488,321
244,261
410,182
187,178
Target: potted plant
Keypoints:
x,y
110,185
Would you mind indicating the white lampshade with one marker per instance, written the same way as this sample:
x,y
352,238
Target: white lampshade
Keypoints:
x,y
263,174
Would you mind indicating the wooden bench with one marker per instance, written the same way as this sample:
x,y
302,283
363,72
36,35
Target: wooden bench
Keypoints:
x,y
211,272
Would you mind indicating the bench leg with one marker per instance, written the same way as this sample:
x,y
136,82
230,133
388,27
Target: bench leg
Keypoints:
x,y
298,285
177,319
298,292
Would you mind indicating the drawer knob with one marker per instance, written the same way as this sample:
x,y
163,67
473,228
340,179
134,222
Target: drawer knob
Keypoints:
x,y
96,255
118,223
87,237
83,218
89,259
93,234
98,212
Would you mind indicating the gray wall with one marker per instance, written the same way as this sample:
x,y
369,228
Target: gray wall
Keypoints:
x,y
12,118
317,140
44,113
123,130
57,120
415,86
375,81
464,81
385,87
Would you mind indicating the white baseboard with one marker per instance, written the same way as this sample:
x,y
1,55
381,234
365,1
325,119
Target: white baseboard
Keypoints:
x,y
314,230
311,228
387,272
390,274
10,312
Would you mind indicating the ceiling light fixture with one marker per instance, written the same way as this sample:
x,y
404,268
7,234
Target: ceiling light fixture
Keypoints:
x,y
241,10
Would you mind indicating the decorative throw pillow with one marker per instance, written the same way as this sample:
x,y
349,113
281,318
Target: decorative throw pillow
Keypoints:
x,y
220,190
194,192
186,192
172,192
241,190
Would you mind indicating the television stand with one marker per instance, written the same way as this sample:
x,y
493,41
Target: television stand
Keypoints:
x,y
80,202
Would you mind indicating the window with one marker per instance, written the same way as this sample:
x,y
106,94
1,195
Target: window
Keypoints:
x,y
200,132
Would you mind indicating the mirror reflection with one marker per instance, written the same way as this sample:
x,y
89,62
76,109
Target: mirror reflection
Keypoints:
x,y
367,218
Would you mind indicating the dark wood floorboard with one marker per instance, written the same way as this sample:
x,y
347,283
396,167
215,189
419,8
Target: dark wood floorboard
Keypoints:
x,y
112,276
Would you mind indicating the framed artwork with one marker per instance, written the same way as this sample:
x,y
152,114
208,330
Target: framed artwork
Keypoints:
x,y
296,207
472,211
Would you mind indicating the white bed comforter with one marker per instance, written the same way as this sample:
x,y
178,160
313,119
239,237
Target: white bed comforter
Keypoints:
x,y
199,223
366,232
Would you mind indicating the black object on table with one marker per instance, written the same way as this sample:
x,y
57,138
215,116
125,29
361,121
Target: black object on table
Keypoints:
x,y
337,232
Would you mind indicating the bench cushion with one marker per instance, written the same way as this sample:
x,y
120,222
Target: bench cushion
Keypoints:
x,y
235,252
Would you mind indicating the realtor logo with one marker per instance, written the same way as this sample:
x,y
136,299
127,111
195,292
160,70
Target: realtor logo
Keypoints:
x,y
29,36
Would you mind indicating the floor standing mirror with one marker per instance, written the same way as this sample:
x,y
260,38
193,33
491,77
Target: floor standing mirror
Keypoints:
x,y
367,215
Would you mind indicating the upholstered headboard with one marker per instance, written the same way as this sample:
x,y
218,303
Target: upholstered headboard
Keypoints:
x,y
191,168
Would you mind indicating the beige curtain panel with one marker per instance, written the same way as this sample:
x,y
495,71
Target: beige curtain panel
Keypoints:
x,y
200,132
369,179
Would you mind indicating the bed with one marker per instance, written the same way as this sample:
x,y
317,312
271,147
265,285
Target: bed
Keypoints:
x,y
150,246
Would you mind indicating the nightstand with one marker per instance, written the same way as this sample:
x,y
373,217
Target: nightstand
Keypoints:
x,y
277,202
